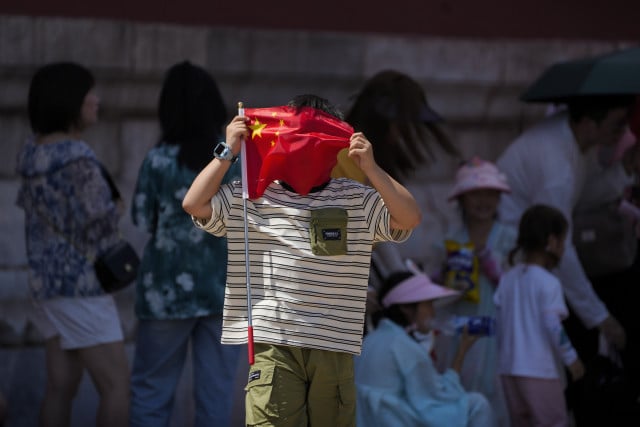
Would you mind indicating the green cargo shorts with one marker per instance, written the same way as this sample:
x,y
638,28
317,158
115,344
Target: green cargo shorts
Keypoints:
x,y
298,387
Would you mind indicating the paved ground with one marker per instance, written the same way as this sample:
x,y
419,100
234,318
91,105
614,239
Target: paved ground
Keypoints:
x,y
22,378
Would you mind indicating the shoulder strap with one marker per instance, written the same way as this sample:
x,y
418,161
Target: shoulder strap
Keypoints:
x,y
115,193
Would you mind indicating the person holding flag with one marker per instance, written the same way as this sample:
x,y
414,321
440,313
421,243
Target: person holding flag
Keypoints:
x,y
309,249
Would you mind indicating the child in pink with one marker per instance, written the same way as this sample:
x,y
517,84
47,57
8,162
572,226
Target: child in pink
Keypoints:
x,y
532,343
477,191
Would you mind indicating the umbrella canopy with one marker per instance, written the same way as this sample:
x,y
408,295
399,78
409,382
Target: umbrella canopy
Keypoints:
x,y
616,73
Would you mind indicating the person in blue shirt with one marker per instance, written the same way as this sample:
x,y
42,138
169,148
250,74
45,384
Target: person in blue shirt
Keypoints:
x,y
397,382
181,282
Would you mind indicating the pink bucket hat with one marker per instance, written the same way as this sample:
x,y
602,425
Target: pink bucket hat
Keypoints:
x,y
415,289
478,174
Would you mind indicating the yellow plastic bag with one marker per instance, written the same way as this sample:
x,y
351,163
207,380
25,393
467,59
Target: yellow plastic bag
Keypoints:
x,y
462,269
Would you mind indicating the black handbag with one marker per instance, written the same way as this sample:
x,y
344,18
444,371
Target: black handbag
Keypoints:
x,y
117,267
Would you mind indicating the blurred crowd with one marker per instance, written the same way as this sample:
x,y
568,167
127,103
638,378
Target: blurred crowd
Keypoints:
x,y
357,330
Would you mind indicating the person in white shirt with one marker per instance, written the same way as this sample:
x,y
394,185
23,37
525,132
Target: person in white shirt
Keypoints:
x,y
546,165
532,343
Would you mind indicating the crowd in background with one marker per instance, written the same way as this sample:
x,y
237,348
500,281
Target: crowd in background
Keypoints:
x,y
513,255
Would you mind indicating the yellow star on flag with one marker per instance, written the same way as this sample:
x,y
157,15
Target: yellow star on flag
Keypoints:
x,y
256,128
298,146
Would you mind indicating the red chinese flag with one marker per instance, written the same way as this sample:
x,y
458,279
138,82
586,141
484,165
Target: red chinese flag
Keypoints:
x,y
297,146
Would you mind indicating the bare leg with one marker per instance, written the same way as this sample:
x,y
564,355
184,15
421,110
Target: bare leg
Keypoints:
x,y
64,372
109,369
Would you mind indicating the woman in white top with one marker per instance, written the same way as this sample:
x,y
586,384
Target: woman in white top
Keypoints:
x,y
532,342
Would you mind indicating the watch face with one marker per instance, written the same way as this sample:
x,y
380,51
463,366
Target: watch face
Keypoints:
x,y
220,150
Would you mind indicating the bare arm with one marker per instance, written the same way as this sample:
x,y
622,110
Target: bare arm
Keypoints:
x,y
197,201
466,342
404,210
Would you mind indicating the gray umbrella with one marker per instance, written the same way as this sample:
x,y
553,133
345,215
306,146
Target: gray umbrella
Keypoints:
x,y
614,73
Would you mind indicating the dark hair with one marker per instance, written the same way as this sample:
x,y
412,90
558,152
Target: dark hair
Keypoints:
x,y
392,110
192,113
393,312
314,101
596,107
536,225
56,95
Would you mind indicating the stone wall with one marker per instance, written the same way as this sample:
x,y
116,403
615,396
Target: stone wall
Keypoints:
x,y
473,83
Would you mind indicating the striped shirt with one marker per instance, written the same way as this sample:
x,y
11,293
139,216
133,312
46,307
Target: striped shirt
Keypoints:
x,y
298,298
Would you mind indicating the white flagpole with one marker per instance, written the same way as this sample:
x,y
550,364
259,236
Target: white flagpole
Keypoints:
x,y
245,196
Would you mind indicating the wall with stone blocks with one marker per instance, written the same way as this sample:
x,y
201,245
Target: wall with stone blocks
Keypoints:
x,y
475,84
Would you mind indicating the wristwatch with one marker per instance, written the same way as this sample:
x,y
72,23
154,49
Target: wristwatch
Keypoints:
x,y
223,152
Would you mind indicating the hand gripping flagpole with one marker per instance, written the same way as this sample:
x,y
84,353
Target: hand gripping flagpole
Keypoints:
x,y
245,196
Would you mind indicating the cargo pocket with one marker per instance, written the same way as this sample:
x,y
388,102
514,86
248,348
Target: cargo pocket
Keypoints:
x,y
260,408
328,231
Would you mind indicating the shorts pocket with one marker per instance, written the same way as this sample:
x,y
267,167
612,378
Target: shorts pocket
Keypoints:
x,y
259,405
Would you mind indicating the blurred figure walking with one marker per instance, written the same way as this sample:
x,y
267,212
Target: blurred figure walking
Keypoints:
x,y
180,287
71,215
546,164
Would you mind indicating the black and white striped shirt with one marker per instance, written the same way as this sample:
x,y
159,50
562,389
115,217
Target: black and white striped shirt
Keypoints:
x,y
298,298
